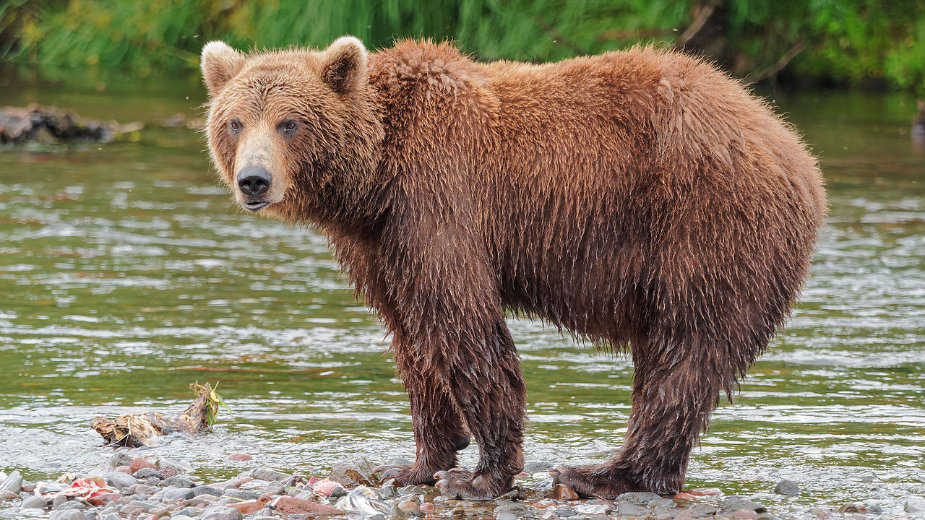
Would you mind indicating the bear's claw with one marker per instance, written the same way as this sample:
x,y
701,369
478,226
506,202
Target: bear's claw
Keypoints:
x,y
466,485
595,480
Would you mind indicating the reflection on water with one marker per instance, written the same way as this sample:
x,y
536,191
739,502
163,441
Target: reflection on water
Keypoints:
x,y
126,274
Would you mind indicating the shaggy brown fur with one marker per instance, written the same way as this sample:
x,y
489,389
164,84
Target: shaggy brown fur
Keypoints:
x,y
637,198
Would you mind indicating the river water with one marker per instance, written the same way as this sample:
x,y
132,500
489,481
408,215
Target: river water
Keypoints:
x,y
126,274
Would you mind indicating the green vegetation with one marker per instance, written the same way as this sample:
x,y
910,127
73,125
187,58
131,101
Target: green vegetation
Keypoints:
x,y
840,42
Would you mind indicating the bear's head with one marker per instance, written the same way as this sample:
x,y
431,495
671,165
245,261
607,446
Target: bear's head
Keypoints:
x,y
293,133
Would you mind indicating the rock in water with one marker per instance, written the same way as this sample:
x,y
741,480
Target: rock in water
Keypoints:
x,y
12,484
787,487
51,125
354,471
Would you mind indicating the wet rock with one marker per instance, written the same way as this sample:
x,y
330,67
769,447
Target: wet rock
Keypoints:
x,y
387,491
631,509
640,498
240,457
206,490
412,490
353,472
178,481
874,509
427,507
241,494
57,501
12,484
536,466
218,512
562,492
139,463
566,511
513,511
67,514
176,493
146,473
362,500
71,504
249,507
787,487
734,503
269,474
662,502
704,510
119,480
104,498
914,505
296,506
409,506
109,516
34,502
593,507
142,489
868,476
744,514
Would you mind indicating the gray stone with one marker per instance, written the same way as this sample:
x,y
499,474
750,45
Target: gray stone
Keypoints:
x,y
592,508
143,504
639,498
703,510
180,517
178,481
217,512
71,504
109,516
513,511
119,480
275,488
631,509
353,472
787,487
664,503
145,473
269,474
565,511
734,503
535,466
874,509
34,502
120,458
58,500
242,494
67,514
12,483
177,493
914,505
206,490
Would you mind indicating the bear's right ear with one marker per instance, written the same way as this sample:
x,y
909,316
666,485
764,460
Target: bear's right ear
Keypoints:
x,y
344,65
219,64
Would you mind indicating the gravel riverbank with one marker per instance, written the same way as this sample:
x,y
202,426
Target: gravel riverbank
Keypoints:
x,y
135,488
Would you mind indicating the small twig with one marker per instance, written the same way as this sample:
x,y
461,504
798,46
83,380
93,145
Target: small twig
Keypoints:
x,y
779,64
557,36
699,21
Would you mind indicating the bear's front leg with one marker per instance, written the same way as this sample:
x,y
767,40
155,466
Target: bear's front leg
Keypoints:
x,y
486,384
438,429
461,353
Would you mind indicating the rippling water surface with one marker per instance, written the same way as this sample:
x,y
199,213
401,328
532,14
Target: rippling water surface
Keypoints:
x,y
126,274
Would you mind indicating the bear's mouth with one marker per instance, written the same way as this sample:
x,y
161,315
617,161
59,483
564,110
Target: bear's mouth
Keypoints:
x,y
255,206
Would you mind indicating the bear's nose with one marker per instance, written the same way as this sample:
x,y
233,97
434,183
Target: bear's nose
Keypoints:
x,y
254,181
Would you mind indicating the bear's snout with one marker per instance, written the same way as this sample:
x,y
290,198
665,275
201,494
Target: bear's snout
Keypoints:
x,y
254,183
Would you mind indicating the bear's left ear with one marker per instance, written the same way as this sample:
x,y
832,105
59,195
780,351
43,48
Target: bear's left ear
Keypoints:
x,y
344,65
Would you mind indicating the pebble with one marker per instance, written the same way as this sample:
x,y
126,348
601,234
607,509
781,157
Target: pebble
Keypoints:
x,y
140,463
354,471
12,483
787,487
68,514
178,481
148,472
269,474
240,457
734,503
34,502
631,509
511,511
296,506
177,493
119,480
217,512
640,498
241,494
914,505
206,490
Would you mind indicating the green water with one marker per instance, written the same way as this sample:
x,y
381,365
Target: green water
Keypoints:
x,y
126,273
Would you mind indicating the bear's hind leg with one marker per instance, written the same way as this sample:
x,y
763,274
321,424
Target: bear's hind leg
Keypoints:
x,y
438,429
672,402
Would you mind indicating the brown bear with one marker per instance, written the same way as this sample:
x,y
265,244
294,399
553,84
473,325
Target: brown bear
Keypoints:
x,y
641,200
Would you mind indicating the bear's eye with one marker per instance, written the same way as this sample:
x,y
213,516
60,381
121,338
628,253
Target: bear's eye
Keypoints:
x,y
289,126
235,126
